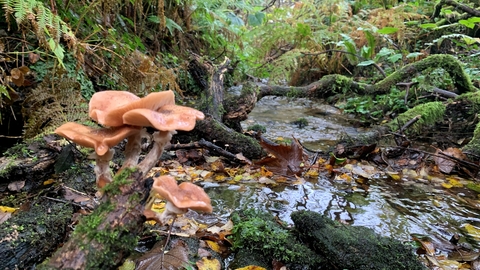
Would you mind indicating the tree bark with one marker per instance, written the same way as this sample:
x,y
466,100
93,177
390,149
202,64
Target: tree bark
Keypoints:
x,y
33,233
102,239
215,92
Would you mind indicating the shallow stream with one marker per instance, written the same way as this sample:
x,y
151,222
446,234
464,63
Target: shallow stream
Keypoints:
x,y
397,208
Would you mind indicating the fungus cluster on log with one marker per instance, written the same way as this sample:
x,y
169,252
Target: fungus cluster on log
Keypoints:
x,y
123,115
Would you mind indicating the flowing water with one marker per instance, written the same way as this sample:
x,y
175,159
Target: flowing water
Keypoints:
x,y
396,208
325,126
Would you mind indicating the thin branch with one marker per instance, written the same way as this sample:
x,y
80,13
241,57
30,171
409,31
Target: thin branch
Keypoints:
x,y
269,5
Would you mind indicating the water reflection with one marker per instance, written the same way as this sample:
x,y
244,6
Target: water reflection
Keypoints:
x,y
388,207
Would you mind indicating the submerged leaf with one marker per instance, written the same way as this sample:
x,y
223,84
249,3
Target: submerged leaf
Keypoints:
x,y
473,231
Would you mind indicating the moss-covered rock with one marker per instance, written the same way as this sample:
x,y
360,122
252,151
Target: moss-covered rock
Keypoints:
x,y
259,233
348,247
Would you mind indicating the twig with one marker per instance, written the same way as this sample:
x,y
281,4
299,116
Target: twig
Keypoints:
x,y
407,90
269,5
410,122
166,242
63,201
444,92
205,144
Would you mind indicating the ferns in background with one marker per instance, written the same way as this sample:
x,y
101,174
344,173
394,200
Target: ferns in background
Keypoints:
x,y
50,107
48,27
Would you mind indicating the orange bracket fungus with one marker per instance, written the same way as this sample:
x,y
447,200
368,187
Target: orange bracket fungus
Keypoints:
x,y
180,198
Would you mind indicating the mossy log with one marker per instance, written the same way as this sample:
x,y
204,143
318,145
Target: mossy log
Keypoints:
x,y
32,234
27,162
350,247
458,6
336,84
41,222
102,239
214,131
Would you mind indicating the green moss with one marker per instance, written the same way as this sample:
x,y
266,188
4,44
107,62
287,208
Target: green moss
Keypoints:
x,y
7,166
474,186
472,98
41,227
349,247
430,113
294,92
119,180
259,232
342,83
249,88
474,145
301,122
257,128
111,239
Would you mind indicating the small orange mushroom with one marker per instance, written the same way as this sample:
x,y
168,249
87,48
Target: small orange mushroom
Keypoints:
x,y
101,140
181,197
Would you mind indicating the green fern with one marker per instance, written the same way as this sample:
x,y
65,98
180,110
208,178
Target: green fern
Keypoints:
x,y
46,25
53,102
285,65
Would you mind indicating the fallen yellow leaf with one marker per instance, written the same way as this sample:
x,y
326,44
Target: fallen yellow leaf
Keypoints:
x,y
394,175
266,173
48,182
7,209
208,264
445,185
473,231
454,182
213,245
220,177
311,174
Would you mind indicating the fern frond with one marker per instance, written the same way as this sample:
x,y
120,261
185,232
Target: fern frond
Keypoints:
x,y
283,67
41,18
48,107
21,10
